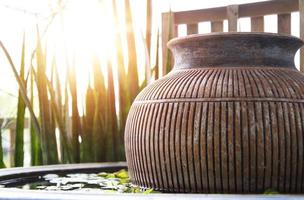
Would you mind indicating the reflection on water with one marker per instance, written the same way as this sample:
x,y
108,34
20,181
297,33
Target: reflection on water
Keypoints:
x,y
117,182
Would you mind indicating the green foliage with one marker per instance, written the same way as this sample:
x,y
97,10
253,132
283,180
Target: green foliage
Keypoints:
x,y
48,139
124,100
103,182
122,174
88,123
132,57
36,152
99,114
19,154
271,192
114,141
155,69
2,165
52,104
76,126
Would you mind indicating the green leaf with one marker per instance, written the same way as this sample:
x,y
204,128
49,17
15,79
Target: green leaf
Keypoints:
x,y
22,89
88,123
132,56
100,115
48,138
124,180
66,147
111,175
102,174
114,141
122,174
36,153
156,67
124,93
271,192
76,125
2,165
19,143
148,191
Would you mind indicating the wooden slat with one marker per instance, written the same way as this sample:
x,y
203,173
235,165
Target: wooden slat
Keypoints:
x,y
232,15
301,11
10,123
164,40
257,24
217,26
245,10
196,16
268,8
169,31
192,29
284,23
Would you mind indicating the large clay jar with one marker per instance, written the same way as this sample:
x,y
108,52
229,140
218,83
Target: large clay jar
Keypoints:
x,y
229,118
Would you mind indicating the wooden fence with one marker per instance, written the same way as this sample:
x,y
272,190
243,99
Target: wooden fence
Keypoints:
x,y
256,12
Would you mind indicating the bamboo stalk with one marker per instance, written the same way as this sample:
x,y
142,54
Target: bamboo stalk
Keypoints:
x,y
66,147
132,57
76,126
49,146
156,67
19,139
22,89
66,120
124,98
147,42
36,153
100,115
88,123
115,144
2,165
99,145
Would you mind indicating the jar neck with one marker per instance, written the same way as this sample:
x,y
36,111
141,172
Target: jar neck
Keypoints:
x,y
235,49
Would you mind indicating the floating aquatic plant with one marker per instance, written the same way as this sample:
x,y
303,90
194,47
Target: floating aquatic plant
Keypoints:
x,y
117,182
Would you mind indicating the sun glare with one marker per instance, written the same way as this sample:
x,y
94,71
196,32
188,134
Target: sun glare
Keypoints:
x,y
81,33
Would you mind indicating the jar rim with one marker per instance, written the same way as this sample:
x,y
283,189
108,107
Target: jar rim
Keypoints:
x,y
215,35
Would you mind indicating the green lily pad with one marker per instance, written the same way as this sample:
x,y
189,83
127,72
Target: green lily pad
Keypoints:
x,y
123,174
271,192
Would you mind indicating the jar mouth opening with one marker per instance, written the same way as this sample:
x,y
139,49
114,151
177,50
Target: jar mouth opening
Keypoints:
x,y
236,48
265,35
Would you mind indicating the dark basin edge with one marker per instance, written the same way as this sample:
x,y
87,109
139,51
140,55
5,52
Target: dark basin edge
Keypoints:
x,y
23,172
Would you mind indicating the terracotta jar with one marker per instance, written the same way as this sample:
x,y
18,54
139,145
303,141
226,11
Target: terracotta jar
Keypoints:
x,y
229,118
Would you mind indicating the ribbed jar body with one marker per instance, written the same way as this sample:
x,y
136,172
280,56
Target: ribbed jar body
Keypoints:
x,y
220,127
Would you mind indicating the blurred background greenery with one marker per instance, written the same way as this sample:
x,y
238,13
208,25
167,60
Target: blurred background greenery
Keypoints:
x,y
76,85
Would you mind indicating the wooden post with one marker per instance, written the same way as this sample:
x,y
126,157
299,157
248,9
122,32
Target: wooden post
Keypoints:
x,y
257,24
232,15
192,29
169,31
301,11
217,26
284,23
